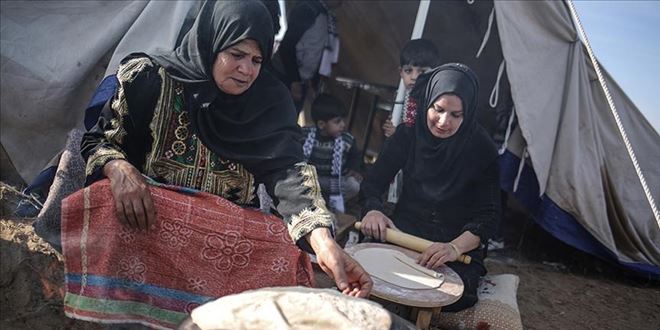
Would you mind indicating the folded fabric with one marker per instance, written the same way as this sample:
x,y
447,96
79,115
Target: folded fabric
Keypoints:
x,y
203,247
69,178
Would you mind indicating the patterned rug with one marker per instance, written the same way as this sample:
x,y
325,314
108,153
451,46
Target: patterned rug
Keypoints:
x,y
204,247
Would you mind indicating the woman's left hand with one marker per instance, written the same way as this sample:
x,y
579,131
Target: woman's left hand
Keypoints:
x,y
436,255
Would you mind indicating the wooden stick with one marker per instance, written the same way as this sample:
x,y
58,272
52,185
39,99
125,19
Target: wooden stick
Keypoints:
x,y
412,242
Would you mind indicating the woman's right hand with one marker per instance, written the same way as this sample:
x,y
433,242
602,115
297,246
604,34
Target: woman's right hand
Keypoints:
x,y
350,277
133,202
388,127
375,224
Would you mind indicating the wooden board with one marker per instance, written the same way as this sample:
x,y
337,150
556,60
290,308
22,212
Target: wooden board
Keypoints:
x,y
448,293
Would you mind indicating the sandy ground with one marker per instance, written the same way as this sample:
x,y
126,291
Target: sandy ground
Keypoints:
x,y
552,298
564,289
560,287
31,281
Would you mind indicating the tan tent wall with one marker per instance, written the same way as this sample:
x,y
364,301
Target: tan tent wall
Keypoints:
x,y
576,150
575,147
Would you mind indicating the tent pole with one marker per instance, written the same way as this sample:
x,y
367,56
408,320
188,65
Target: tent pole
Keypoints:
x,y
283,22
615,113
418,29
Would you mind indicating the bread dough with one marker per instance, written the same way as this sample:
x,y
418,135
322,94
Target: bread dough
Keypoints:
x,y
383,264
291,308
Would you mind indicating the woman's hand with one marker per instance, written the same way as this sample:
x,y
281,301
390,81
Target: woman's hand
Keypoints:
x,y
133,202
440,253
388,127
437,255
375,224
350,277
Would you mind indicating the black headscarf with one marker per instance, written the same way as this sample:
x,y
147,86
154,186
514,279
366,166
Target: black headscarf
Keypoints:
x,y
444,167
218,26
256,128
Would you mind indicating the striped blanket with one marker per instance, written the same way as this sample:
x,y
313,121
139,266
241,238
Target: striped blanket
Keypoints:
x,y
204,247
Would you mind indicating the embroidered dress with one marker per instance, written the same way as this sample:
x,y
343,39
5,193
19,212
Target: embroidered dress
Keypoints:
x,y
179,158
174,124
162,145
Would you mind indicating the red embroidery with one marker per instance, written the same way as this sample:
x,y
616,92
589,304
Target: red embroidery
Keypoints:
x,y
410,112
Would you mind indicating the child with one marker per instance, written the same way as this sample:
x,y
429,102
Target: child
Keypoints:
x,y
332,151
417,57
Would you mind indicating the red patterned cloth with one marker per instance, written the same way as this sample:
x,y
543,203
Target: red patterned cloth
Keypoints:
x,y
410,111
204,247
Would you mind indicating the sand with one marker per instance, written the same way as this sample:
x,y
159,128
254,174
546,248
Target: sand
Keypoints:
x,y
560,288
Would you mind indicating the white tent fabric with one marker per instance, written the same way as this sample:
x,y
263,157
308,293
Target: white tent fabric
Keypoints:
x,y
574,145
146,36
54,53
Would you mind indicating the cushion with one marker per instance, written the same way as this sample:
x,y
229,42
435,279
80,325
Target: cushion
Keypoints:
x,y
497,307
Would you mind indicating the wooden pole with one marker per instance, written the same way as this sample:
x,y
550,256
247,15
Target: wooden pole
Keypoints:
x,y
418,29
412,242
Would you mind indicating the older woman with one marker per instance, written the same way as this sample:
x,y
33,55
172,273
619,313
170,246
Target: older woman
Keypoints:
x,y
450,178
206,116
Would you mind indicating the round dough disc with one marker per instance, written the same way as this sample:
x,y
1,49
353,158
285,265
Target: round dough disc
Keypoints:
x,y
383,264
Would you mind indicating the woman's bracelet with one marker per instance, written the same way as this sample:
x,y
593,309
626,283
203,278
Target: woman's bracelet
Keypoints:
x,y
453,246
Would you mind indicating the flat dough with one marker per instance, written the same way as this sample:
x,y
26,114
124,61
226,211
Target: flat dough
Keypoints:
x,y
383,264
289,308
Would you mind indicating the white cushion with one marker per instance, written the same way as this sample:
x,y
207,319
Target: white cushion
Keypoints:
x,y
497,307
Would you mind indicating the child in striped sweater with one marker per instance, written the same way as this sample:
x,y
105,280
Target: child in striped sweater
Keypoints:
x,y
332,151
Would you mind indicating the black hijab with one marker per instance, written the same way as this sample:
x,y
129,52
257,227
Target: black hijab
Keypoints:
x,y
444,167
256,128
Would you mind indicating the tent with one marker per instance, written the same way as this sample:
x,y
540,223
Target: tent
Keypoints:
x,y
575,150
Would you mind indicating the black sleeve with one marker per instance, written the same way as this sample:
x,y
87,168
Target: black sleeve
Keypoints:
x,y
486,205
97,149
122,130
390,161
297,198
300,19
353,159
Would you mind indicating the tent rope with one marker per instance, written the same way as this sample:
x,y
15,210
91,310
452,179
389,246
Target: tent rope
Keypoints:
x,y
495,93
507,135
487,35
520,169
615,113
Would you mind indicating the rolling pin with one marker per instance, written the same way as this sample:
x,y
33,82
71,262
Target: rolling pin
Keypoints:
x,y
412,242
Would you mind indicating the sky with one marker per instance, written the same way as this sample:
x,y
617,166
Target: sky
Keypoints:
x,y
625,37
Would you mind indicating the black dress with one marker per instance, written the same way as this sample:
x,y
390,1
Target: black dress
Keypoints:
x,y
476,208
